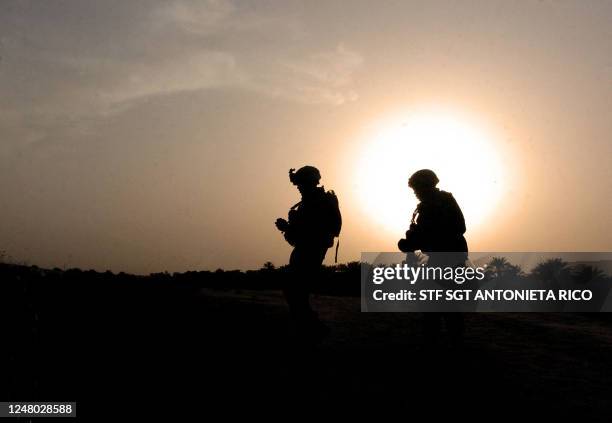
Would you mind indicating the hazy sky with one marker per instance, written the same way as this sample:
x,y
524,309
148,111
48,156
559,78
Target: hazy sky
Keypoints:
x,y
156,135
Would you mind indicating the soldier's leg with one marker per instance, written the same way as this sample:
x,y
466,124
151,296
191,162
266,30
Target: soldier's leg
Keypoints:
x,y
307,265
456,327
431,328
297,292
297,298
312,277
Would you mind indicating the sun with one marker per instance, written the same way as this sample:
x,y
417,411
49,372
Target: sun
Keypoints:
x,y
464,158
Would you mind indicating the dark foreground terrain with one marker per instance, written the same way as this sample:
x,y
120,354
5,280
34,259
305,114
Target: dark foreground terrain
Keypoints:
x,y
121,345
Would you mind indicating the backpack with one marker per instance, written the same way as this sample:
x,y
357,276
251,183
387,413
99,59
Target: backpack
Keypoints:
x,y
334,220
333,216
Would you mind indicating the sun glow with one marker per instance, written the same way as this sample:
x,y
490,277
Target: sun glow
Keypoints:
x,y
464,158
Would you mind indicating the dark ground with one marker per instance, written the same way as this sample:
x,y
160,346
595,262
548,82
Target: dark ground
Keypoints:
x,y
153,348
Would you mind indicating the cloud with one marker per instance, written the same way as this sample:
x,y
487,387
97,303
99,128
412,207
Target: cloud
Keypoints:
x,y
78,58
324,77
204,17
201,70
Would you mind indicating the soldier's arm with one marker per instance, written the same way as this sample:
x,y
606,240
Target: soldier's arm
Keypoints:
x,y
424,230
282,224
292,230
407,245
411,242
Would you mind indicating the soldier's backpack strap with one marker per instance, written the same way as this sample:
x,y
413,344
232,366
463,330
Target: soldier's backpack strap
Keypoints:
x,y
334,200
336,256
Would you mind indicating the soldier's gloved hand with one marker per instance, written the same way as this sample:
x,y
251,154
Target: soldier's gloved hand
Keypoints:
x,y
282,224
406,245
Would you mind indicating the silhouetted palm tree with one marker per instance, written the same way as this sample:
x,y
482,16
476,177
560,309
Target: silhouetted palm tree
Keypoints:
x,y
513,271
585,273
551,272
497,266
269,266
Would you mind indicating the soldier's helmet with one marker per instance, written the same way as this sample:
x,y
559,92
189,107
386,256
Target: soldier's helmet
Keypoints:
x,y
423,179
307,175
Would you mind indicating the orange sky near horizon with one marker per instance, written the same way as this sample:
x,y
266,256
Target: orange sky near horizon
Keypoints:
x,y
144,138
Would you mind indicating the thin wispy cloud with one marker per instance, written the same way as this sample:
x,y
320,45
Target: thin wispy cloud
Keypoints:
x,y
86,62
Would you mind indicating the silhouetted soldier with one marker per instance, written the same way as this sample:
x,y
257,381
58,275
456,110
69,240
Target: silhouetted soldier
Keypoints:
x,y
312,225
437,226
